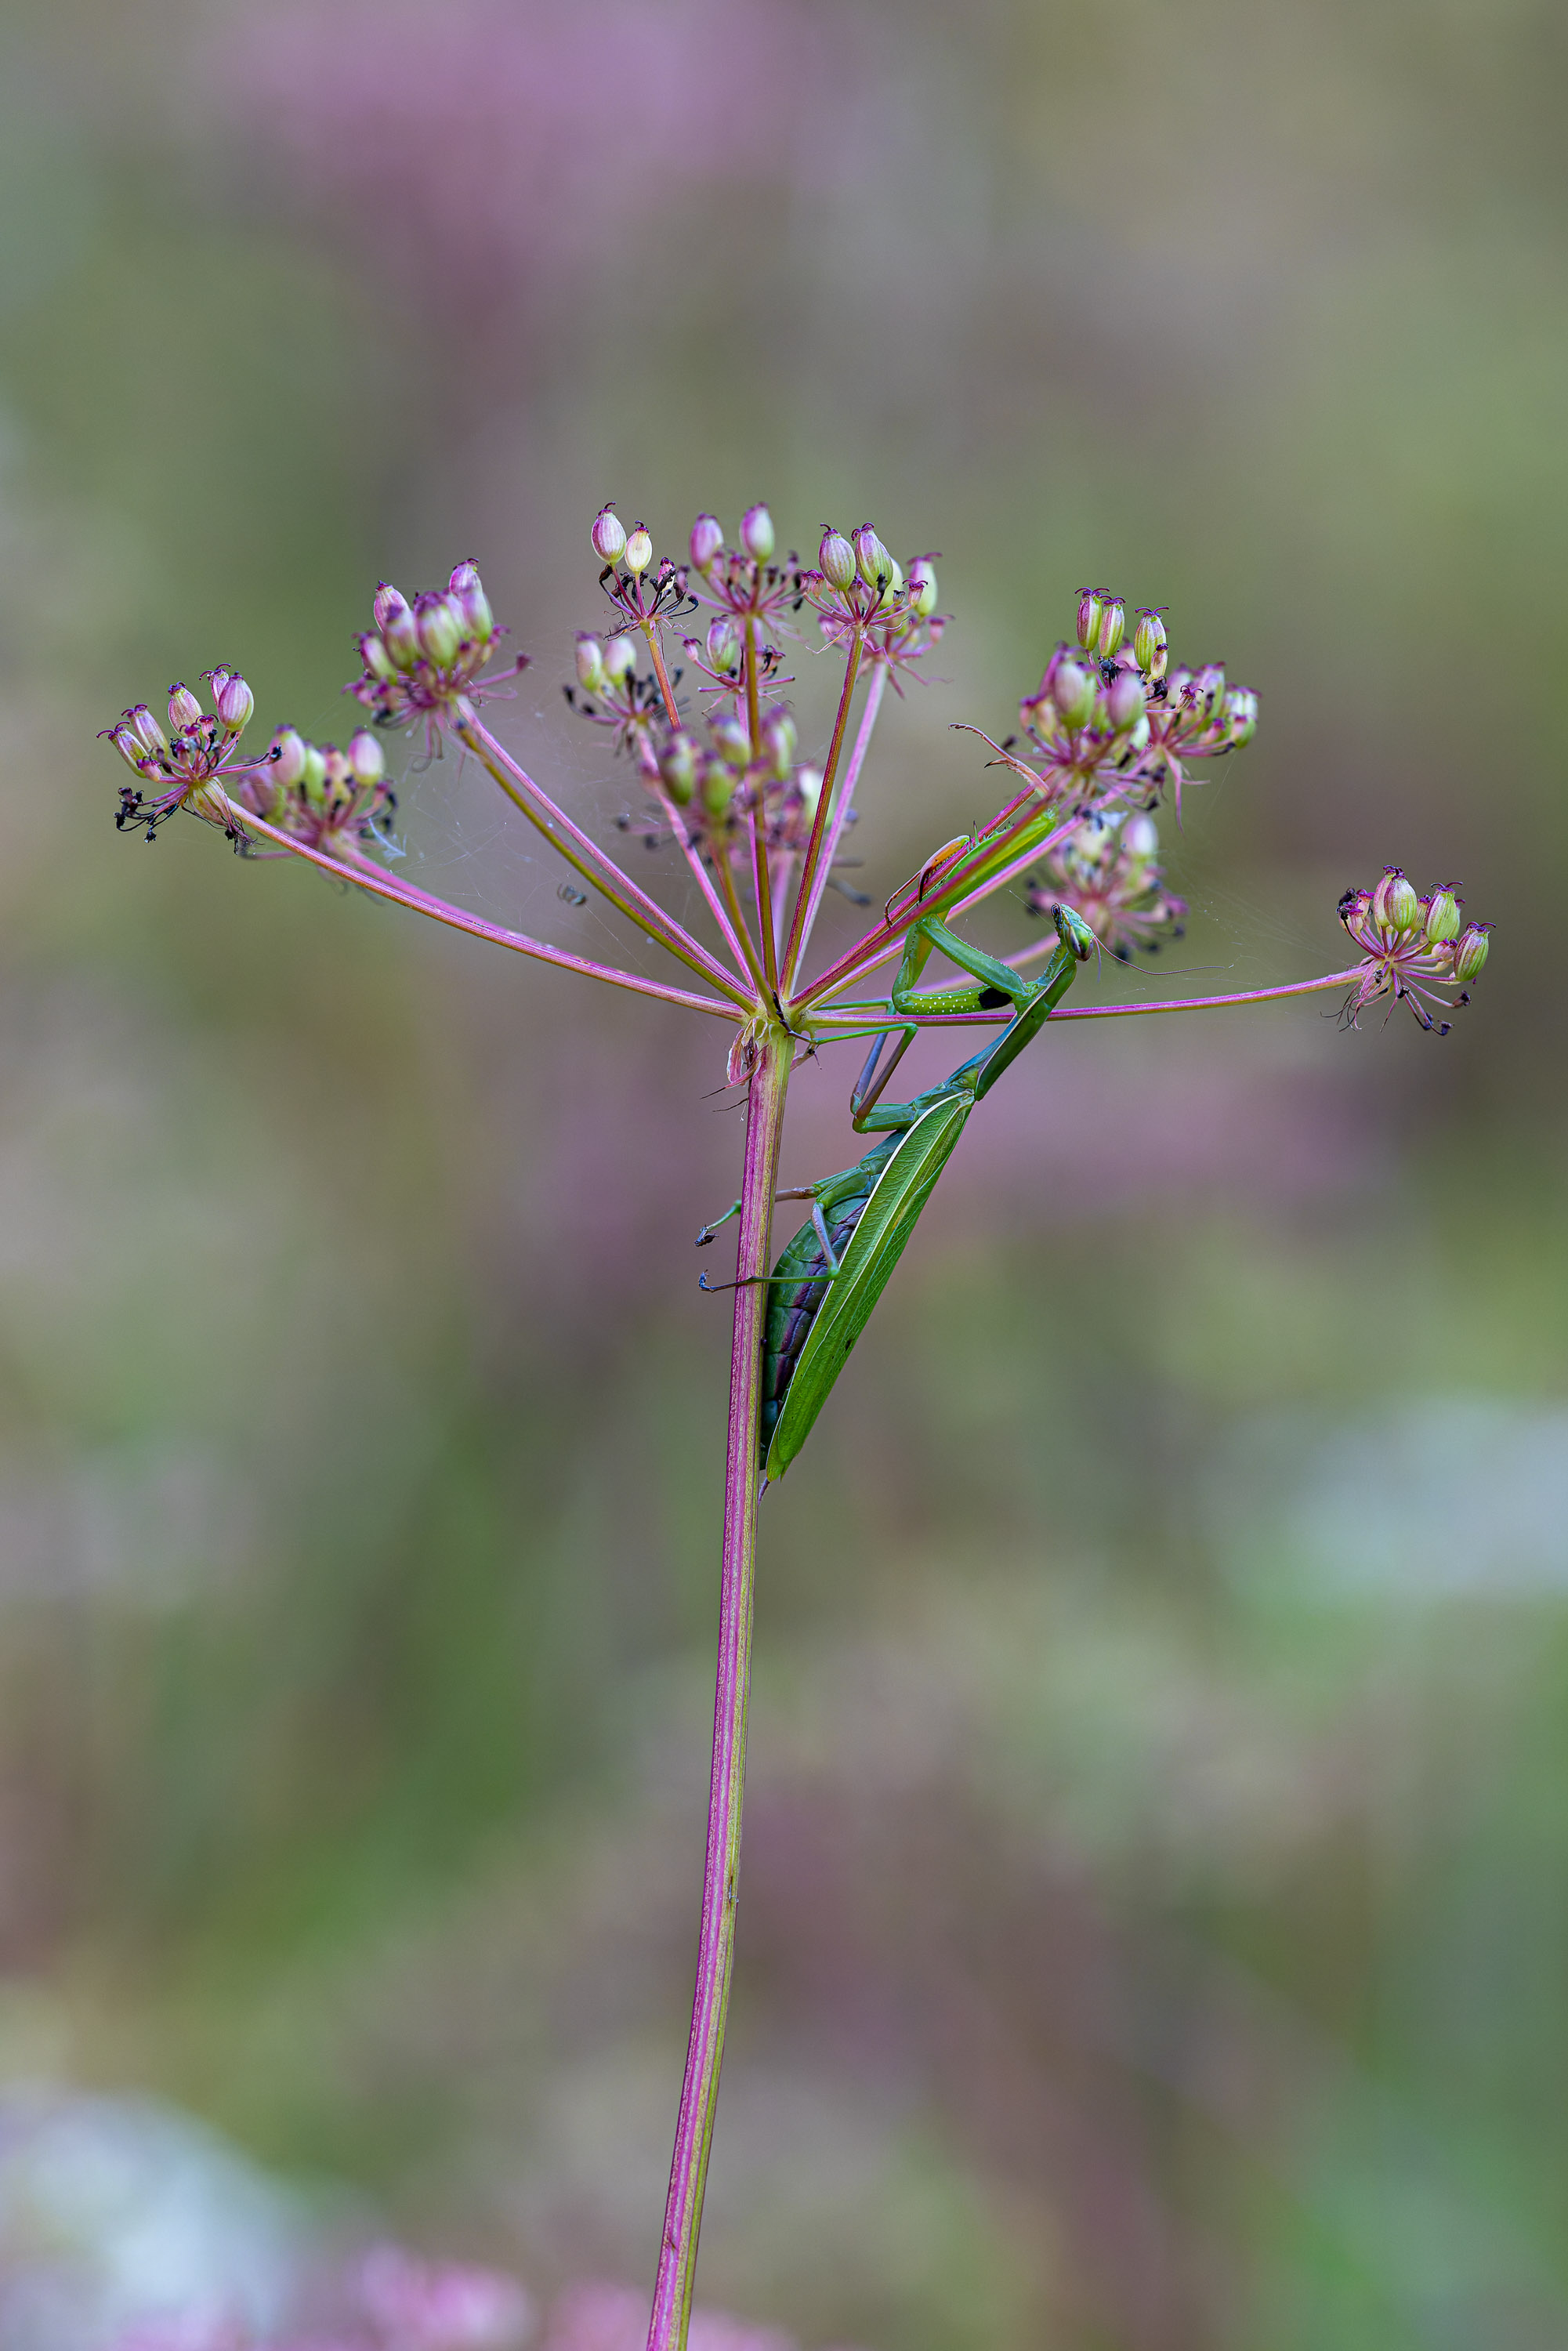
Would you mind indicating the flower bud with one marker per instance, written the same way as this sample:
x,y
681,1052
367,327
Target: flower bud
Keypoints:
x,y
378,661
1444,920
289,757
620,659
126,743
236,704
756,533
1208,688
608,536
718,789
367,760
313,776
146,729
837,558
1140,839
678,769
468,589
1090,612
1470,952
639,549
1240,716
1112,625
922,587
1073,690
732,741
1394,904
780,739
723,645
707,542
395,620
1149,644
873,558
809,784
589,659
1125,700
185,710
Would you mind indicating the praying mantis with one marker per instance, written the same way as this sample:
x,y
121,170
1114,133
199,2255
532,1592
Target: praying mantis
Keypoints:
x,y
830,1277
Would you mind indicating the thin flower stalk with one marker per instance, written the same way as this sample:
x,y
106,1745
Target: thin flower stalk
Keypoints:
x,y
1107,738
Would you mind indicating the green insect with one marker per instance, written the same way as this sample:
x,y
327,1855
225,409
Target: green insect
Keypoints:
x,y
831,1274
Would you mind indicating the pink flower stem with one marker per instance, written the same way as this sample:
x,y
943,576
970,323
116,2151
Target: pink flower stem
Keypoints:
x,y
790,962
841,815
716,1946
842,1019
692,849
365,876
588,859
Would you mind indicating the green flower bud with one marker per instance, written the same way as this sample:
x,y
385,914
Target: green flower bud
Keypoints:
x,y
780,739
922,587
1394,904
756,533
639,549
872,559
1470,952
836,559
468,589
732,741
313,776
678,769
589,659
1208,687
1149,644
620,659
718,789
1091,612
1240,716
395,619
289,758
185,710
378,661
367,760
1074,690
439,622
608,535
723,645
1444,920
1113,624
809,784
707,542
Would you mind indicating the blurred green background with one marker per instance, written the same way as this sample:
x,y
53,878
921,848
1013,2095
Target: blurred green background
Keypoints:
x,y
1156,1903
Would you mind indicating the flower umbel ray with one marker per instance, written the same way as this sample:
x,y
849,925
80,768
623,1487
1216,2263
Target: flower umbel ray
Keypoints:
x,y
1104,742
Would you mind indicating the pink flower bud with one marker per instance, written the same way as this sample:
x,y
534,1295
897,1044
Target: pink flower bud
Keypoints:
x,y
439,622
707,542
1113,624
732,741
1125,700
1149,644
1444,920
1470,952
589,659
396,622
185,710
836,557
874,563
146,730
1074,690
236,705
1090,609
1141,838
723,645
367,760
126,743
608,536
678,769
289,757
756,533
378,661
639,552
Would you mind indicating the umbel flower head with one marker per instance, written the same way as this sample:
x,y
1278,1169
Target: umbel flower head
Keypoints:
x,y
421,659
337,802
1414,946
200,749
1107,872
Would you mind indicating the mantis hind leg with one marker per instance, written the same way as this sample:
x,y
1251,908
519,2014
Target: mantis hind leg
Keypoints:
x,y
792,1192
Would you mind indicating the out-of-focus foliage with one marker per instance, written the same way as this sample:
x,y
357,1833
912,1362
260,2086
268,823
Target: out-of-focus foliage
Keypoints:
x,y
1153,1928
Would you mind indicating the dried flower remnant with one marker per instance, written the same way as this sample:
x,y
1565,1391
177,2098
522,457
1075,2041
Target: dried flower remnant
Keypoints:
x,y
1415,948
